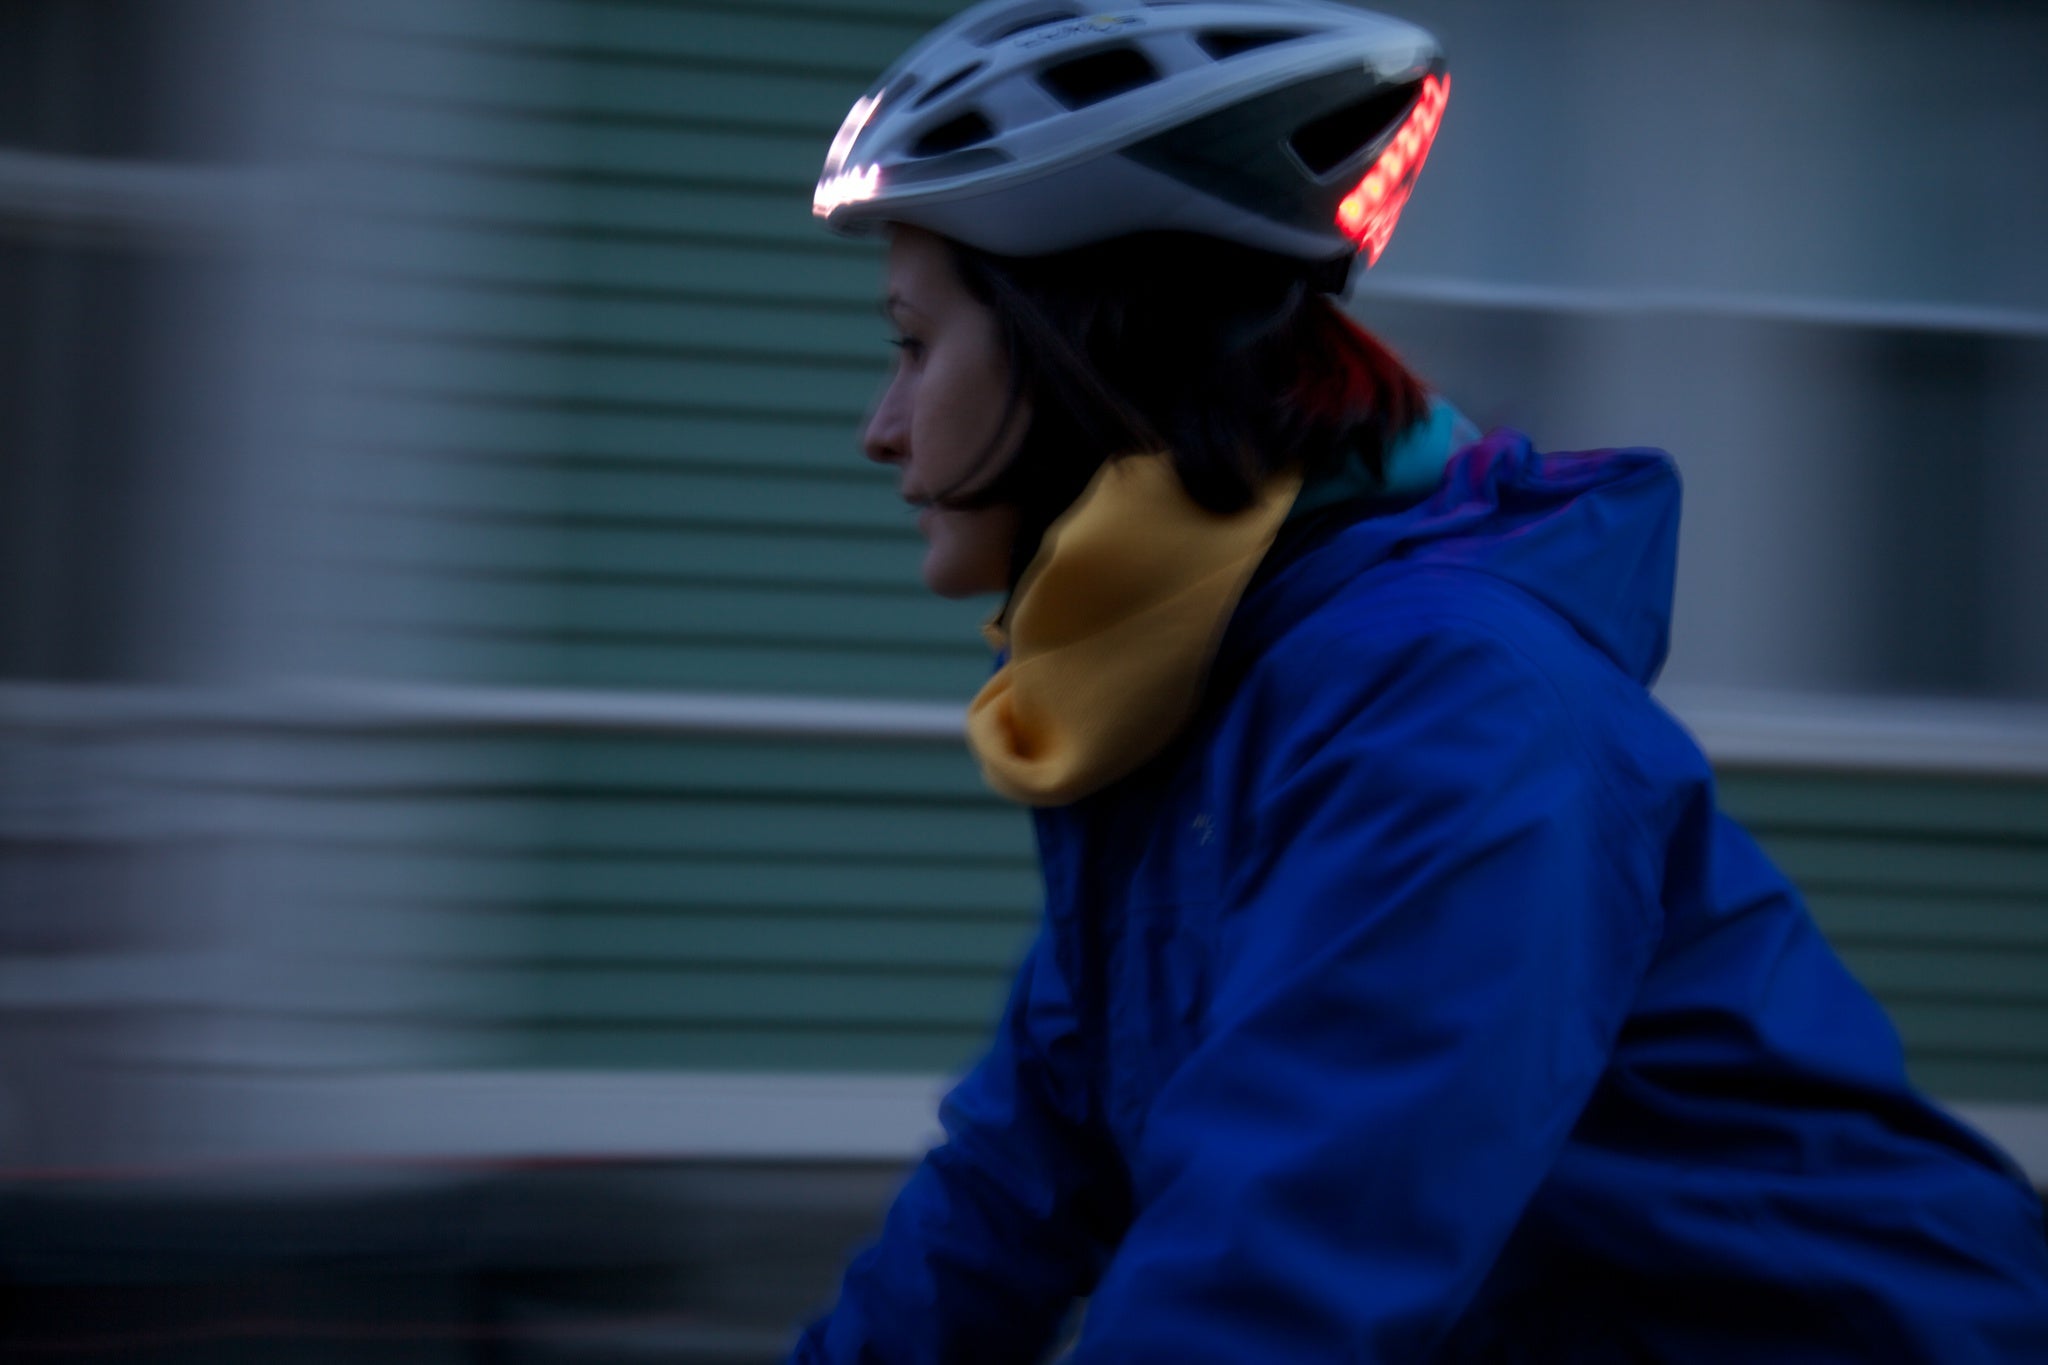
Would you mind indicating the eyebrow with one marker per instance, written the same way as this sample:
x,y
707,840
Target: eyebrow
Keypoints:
x,y
894,302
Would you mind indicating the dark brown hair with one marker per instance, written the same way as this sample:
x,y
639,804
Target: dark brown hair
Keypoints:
x,y
1221,355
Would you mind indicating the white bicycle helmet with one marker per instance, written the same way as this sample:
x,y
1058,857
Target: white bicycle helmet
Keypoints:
x,y
1025,127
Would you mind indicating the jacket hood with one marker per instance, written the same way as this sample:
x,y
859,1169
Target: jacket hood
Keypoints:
x,y
1591,535
1138,596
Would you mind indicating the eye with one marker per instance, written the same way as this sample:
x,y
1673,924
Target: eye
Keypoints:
x,y
911,347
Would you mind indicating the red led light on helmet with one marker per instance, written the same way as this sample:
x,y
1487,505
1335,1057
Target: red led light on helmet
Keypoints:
x,y
1367,215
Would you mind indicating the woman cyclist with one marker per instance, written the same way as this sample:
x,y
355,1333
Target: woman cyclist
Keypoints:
x,y
1401,994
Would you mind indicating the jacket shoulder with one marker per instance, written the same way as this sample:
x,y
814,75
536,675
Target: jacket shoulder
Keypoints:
x,y
1437,658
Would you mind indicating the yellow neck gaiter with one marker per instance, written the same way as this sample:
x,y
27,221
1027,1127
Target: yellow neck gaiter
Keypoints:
x,y
1112,629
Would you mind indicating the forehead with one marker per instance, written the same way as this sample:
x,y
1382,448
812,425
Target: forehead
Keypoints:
x,y
920,272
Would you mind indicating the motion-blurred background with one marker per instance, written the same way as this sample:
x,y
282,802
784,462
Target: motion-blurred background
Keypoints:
x,y
487,866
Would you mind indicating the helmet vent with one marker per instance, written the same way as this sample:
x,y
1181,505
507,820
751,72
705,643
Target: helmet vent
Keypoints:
x,y
1098,76
950,136
947,84
1223,44
1328,142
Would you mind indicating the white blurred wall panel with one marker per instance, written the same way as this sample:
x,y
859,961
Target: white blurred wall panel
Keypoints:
x,y
1798,246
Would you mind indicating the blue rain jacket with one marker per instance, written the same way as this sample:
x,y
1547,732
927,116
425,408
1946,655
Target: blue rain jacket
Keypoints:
x,y
1418,1005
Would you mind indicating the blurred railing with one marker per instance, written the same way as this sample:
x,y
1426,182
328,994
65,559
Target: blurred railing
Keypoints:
x,y
1763,732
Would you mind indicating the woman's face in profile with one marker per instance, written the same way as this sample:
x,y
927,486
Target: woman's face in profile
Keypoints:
x,y
938,421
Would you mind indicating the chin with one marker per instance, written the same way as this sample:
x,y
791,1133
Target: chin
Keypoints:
x,y
958,581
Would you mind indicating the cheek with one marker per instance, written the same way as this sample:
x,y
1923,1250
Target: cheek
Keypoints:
x,y
959,413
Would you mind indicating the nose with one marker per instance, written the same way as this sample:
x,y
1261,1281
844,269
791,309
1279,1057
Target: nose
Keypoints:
x,y
886,438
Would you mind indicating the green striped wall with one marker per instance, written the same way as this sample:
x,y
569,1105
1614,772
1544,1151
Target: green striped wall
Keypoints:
x,y
607,375
603,382
1935,890
768,906
750,904
596,901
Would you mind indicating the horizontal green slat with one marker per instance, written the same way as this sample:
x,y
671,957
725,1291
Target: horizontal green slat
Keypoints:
x,y
514,928
1955,918
864,1048
581,938
591,28
625,555
341,764
657,827
451,944
654,502
613,327
748,159
548,84
868,771
730,996
896,616
403,430
1963,1078
538,378
1973,975
1972,1028
780,884
571,655
382,196
1849,862
570,767
851,496
1888,805
940,675
831,274
731,827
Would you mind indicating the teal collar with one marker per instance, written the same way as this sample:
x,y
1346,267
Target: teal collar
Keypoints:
x,y
1415,464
